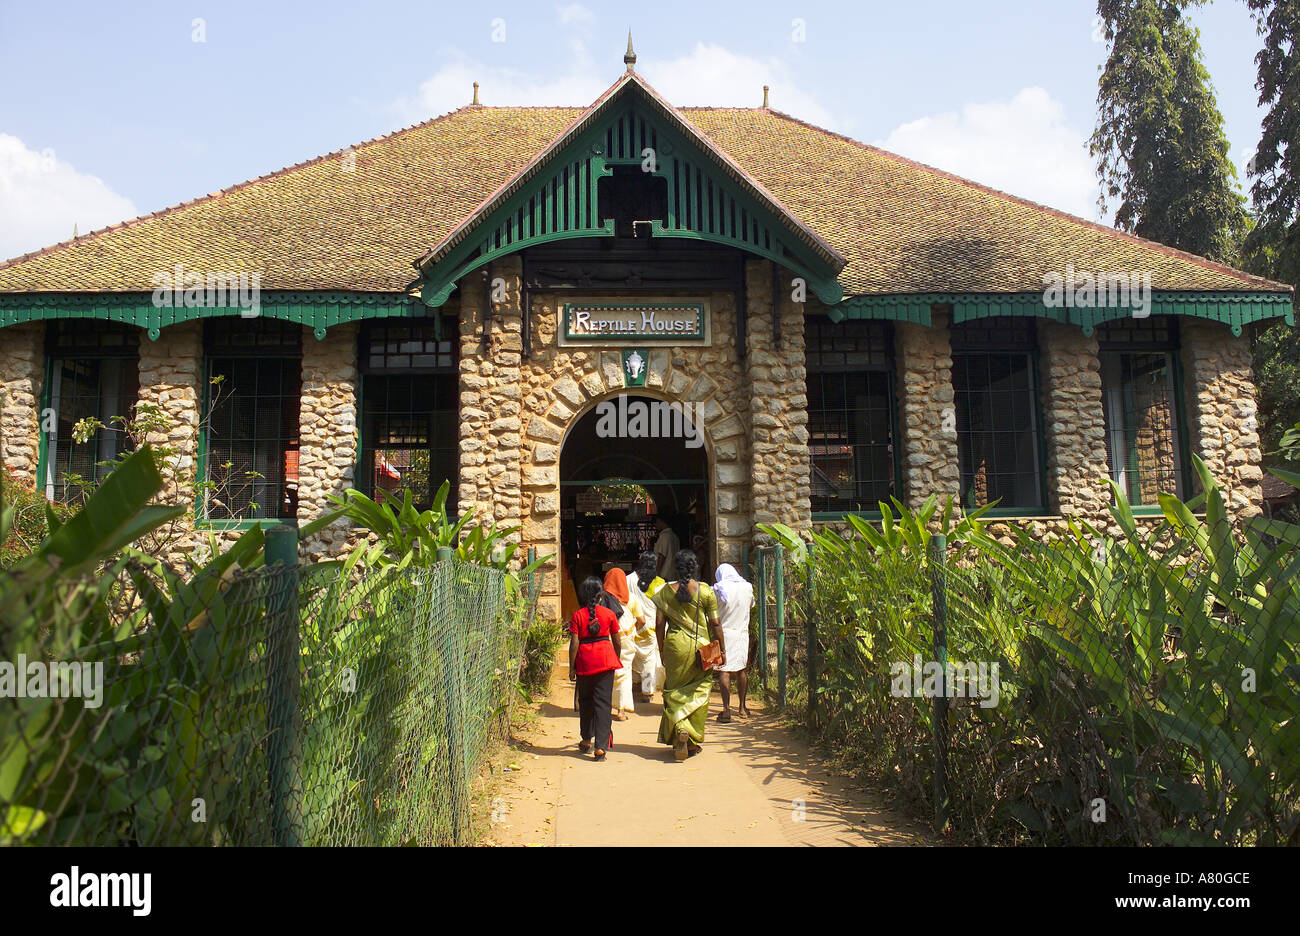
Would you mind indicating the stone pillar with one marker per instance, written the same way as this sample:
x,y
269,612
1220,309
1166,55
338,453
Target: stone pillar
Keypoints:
x,y
926,410
327,432
778,403
171,378
1220,405
22,371
490,394
1075,418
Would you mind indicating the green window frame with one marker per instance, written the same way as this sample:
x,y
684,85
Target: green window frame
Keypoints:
x,y
999,420
410,415
852,416
92,370
1146,426
249,442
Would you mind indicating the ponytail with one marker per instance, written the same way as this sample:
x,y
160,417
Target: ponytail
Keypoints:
x,y
588,592
688,567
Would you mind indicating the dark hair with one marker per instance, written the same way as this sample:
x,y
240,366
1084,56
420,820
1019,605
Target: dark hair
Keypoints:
x,y
646,565
588,592
606,600
688,567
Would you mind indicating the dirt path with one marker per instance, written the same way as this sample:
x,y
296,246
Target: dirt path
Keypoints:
x,y
753,784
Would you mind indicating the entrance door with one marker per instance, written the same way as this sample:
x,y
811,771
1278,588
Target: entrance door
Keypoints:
x,y
624,464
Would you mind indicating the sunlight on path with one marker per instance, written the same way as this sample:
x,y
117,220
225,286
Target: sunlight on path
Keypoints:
x,y
745,788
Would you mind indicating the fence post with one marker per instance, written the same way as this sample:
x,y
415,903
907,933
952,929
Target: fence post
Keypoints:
x,y
811,624
779,572
939,593
283,683
762,617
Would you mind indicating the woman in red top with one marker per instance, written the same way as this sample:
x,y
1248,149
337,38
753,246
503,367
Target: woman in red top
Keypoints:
x,y
593,657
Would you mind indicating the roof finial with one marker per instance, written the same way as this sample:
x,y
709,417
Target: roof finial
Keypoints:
x,y
476,92
764,97
630,58
74,230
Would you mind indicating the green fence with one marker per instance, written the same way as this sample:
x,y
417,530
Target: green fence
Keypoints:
x,y
1141,687
300,707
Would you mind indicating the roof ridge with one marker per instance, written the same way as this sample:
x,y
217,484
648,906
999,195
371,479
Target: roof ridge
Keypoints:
x,y
1046,209
230,190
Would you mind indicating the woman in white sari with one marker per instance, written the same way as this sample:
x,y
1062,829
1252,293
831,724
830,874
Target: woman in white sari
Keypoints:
x,y
616,589
735,599
641,585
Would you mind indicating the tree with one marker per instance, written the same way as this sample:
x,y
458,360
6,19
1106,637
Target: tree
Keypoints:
x,y
1159,142
1273,247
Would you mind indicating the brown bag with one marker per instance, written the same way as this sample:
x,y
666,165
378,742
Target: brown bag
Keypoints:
x,y
710,655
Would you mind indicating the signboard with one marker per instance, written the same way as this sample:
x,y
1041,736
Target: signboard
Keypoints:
x,y
589,501
602,322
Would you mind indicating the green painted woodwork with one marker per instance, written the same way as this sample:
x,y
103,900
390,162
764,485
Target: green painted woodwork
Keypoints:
x,y
316,310
1235,309
561,201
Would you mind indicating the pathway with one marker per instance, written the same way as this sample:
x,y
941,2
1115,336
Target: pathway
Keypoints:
x,y
753,784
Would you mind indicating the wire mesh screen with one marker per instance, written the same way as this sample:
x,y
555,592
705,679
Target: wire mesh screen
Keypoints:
x,y
1134,688
266,707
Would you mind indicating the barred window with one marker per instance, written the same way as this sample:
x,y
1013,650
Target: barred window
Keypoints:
x,y
996,400
253,394
1144,427
851,413
94,373
409,412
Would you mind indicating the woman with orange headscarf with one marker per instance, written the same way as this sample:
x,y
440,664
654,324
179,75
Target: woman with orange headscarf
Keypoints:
x,y
616,598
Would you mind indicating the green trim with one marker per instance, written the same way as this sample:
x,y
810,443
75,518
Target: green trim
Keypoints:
x,y
315,310
561,202
1235,309
205,524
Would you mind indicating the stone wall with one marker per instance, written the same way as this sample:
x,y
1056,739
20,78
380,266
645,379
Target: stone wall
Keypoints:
x,y
22,371
327,427
777,380
1220,402
171,378
926,414
1075,421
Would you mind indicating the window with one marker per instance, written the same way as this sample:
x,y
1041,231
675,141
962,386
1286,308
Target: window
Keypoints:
x,y
251,455
1139,376
996,398
94,370
851,411
409,412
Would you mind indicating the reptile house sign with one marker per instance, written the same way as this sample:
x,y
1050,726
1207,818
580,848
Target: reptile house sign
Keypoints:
x,y
618,323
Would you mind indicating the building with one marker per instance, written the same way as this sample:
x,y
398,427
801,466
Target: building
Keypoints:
x,y
798,325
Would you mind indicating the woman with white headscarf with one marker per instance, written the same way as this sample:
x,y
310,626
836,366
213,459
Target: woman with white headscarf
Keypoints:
x,y
735,599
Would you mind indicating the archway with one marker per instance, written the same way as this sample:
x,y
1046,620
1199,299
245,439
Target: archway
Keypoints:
x,y
629,459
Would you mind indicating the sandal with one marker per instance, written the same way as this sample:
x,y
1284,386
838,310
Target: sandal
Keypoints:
x,y
724,717
584,746
679,747
600,755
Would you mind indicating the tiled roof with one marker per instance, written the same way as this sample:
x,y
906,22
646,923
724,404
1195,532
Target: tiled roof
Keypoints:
x,y
903,227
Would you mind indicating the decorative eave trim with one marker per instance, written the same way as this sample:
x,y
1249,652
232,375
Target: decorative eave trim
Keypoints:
x,y
316,310
1235,309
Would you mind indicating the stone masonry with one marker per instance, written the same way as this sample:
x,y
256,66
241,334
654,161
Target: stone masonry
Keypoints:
x,y
327,426
926,412
171,378
1220,404
22,369
1075,422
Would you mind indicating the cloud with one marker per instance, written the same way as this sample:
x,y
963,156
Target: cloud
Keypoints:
x,y
1024,146
42,197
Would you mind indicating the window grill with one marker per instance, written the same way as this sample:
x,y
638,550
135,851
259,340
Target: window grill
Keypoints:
x,y
997,416
851,414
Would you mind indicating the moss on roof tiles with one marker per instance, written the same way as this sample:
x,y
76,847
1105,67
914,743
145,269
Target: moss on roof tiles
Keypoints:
x,y
903,227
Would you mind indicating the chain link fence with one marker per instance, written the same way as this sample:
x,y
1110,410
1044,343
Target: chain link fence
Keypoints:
x,y
1135,688
297,705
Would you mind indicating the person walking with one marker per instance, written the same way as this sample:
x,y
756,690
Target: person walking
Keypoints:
x,y
666,547
617,598
735,600
642,583
593,659
687,612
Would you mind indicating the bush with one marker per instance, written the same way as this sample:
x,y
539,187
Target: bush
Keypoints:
x,y
30,524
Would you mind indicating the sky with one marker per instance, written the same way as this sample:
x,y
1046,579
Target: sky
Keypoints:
x,y
113,110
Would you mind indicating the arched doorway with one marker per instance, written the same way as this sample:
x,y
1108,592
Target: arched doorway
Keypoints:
x,y
629,459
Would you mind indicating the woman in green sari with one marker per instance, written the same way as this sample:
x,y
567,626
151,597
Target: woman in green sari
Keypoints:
x,y
687,614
